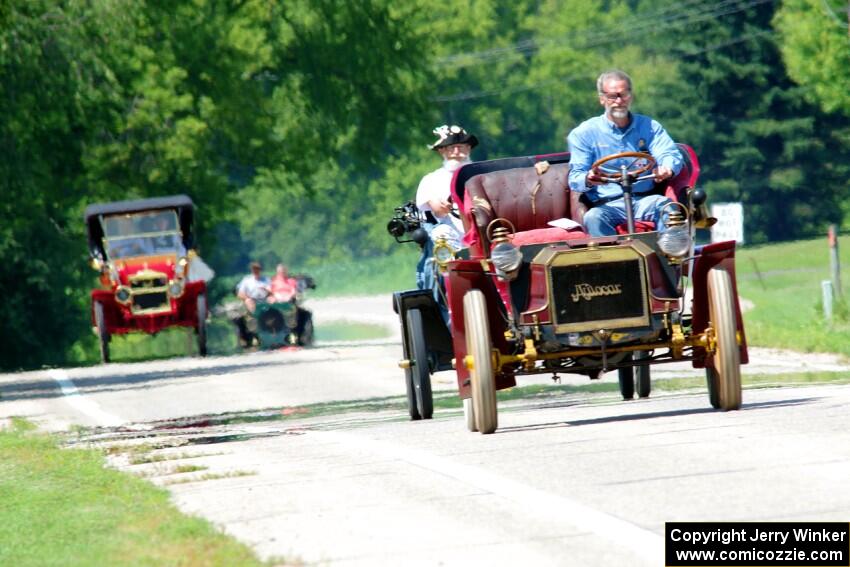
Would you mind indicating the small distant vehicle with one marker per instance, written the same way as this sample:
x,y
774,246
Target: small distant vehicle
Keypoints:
x,y
150,274
275,323
534,293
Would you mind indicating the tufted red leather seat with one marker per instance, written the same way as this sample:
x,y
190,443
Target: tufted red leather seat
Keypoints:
x,y
528,197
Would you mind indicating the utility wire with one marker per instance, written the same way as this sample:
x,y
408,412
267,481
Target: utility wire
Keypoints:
x,y
470,95
592,37
830,12
527,45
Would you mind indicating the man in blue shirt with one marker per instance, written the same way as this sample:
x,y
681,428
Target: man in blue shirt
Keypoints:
x,y
619,130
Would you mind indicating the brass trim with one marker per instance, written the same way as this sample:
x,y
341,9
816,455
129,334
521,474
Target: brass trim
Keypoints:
x,y
148,274
442,244
482,202
559,257
528,359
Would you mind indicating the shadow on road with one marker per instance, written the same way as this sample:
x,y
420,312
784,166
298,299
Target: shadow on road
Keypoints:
x,y
126,379
649,415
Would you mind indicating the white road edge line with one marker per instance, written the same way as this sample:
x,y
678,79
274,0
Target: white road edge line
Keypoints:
x,y
86,406
643,542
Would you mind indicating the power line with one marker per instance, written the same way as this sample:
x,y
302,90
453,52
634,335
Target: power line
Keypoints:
x,y
830,12
471,95
531,44
593,37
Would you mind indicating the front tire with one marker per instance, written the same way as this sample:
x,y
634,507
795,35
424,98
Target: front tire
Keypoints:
x,y
478,347
201,329
726,374
412,408
420,369
102,331
469,415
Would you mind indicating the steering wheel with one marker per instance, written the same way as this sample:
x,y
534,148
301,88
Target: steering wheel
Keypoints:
x,y
640,163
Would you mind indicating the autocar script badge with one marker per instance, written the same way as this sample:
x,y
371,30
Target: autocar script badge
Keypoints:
x,y
587,291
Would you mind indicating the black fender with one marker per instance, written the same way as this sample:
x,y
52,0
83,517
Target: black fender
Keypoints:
x,y
438,338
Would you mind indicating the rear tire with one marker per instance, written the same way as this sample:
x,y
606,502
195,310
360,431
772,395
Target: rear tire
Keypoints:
x,y
644,384
201,329
726,374
478,346
306,337
626,377
102,331
420,368
712,380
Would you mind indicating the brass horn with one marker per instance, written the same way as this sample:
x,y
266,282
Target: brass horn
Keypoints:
x,y
702,218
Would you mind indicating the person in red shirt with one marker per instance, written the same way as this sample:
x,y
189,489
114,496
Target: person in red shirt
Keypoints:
x,y
283,287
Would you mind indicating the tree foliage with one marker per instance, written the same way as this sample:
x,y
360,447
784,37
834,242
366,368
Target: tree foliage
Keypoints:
x,y
297,126
815,44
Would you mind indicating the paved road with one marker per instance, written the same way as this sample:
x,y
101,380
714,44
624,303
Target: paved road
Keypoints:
x,y
578,479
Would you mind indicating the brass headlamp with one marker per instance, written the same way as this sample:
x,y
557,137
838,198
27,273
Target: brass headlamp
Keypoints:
x,y
675,241
506,257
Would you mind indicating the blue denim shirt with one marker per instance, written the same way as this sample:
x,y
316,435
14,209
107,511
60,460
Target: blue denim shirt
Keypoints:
x,y
599,137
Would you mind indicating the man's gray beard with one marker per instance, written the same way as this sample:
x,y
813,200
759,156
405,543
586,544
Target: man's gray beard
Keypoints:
x,y
619,113
454,164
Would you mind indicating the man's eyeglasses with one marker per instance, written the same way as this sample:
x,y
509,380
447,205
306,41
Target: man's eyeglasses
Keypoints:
x,y
612,97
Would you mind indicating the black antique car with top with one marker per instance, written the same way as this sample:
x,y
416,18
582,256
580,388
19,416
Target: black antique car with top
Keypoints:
x,y
151,277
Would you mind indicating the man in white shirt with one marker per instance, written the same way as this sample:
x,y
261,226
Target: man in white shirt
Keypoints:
x,y
433,197
254,287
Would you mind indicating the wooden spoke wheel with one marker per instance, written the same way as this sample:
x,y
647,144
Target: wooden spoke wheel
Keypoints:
x,y
725,376
201,329
478,347
102,331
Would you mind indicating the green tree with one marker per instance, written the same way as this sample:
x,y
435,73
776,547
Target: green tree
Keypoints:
x,y
108,100
766,147
816,49
54,89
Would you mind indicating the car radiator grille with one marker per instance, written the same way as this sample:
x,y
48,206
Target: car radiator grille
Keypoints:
x,y
610,293
155,301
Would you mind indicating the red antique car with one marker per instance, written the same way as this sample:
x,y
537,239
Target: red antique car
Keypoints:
x,y
151,277
534,293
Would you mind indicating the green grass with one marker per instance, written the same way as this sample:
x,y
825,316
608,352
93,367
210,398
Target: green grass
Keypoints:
x,y
343,331
380,274
784,283
64,507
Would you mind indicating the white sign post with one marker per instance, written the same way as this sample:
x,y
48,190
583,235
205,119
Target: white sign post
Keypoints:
x,y
730,222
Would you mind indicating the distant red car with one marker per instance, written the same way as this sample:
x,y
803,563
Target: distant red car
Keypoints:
x,y
144,252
